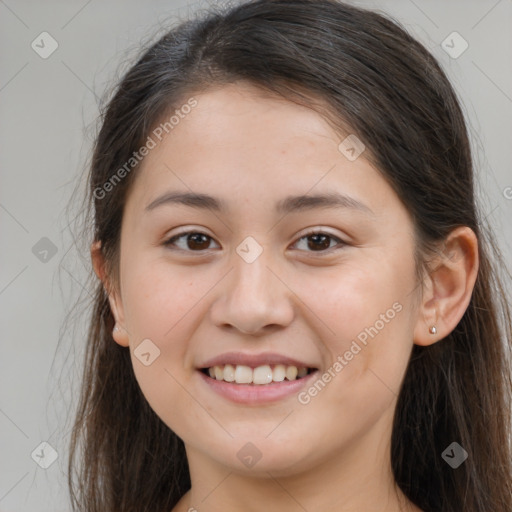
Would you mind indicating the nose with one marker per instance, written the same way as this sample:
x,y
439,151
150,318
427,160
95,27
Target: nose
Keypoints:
x,y
253,298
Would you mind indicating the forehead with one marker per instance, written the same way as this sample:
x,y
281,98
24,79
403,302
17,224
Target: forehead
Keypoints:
x,y
241,112
239,124
245,142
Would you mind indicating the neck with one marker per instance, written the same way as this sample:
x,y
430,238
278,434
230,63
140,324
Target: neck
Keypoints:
x,y
350,480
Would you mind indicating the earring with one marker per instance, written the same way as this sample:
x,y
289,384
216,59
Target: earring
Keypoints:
x,y
116,328
432,330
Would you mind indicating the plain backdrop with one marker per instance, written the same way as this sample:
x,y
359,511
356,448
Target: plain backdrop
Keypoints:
x,y
48,114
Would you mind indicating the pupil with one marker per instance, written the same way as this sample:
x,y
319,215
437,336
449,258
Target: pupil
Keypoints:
x,y
193,244
325,243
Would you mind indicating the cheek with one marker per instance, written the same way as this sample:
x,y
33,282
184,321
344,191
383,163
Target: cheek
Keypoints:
x,y
157,301
365,321
158,308
354,296
366,308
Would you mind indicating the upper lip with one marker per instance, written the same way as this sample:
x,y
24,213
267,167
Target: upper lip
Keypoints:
x,y
253,360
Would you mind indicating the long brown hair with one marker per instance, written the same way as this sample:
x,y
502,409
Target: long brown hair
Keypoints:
x,y
364,73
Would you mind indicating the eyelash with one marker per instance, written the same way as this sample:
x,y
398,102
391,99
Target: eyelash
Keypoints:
x,y
169,242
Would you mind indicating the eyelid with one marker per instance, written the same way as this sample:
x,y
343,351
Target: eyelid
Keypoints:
x,y
316,231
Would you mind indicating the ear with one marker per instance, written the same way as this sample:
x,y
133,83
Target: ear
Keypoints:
x,y
114,297
448,287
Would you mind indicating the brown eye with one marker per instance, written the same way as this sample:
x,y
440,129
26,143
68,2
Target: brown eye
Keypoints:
x,y
194,241
320,242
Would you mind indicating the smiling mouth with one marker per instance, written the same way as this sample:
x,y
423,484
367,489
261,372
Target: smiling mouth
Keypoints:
x,y
260,375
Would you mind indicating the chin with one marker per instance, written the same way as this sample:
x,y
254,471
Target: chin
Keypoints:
x,y
259,457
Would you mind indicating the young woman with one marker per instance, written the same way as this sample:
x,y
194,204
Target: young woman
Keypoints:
x,y
296,305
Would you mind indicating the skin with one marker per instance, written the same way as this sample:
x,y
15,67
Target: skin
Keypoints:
x,y
252,149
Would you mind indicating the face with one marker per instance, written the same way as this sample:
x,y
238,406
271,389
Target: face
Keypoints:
x,y
266,281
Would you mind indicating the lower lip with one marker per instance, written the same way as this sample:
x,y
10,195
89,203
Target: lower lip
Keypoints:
x,y
256,393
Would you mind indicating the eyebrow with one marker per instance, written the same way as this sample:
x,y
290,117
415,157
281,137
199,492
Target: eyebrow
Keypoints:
x,y
287,205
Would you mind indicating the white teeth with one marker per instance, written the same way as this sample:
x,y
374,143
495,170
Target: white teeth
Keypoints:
x,y
291,372
229,373
260,375
279,373
219,372
243,374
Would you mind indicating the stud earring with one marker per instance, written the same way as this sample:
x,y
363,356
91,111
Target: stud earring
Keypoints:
x,y
432,330
116,328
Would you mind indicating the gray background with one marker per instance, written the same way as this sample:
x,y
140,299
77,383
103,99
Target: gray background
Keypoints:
x,y
48,111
